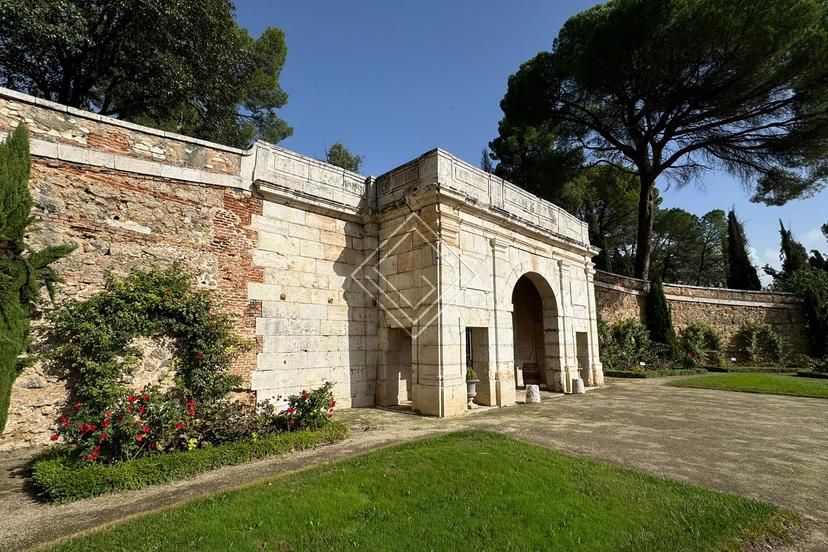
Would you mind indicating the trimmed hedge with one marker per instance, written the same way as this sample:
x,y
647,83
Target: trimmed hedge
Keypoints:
x,y
751,369
810,374
654,373
62,478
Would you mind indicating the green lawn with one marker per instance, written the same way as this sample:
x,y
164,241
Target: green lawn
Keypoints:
x,y
760,383
467,490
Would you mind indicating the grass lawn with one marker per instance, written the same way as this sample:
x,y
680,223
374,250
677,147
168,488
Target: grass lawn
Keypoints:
x,y
775,384
470,490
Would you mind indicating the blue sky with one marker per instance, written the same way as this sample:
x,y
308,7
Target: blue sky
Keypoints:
x,y
392,80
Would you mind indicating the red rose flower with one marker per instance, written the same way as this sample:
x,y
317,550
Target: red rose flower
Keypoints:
x,y
91,427
82,427
179,425
145,397
191,404
331,404
54,437
141,410
105,423
290,410
77,405
191,412
132,398
146,429
65,424
200,356
139,437
129,409
64,419
107,414
102,436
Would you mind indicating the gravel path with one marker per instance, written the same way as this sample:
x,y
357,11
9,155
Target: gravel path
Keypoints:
x,y
766,447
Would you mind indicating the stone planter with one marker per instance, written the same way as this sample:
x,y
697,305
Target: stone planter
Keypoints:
x,y
471,391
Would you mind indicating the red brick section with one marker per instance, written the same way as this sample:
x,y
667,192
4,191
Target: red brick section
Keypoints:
x,y
235,242
111,141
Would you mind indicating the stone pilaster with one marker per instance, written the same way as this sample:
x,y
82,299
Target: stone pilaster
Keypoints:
x,y
502,335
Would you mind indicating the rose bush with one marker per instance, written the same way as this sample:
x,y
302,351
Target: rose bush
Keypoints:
x,y
153,421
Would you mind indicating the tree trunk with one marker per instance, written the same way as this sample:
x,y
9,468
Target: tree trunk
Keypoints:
x,y
645,227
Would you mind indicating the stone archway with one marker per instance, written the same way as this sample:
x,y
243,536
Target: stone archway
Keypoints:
x,y
535,330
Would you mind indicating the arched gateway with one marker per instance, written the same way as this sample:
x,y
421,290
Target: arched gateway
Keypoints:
x,y
391,287
480,274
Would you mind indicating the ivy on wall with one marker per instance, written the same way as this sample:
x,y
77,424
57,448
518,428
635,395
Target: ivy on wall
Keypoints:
x,y
90,339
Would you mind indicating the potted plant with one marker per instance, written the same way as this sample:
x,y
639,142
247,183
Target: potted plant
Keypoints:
x,y
471,385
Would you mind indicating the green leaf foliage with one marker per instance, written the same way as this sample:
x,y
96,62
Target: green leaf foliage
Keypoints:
x,y
741,274
668,89
90,339
763,346
60,477
182,66
340,156
702,344
660,320
24,272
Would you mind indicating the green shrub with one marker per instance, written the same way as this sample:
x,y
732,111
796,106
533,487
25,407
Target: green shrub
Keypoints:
x,y
23,271
660,321
764,346
657,373
60,477
812,285
702,345
90,339
626,344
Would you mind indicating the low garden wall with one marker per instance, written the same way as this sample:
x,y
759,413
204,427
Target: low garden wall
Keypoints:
x,y
727,310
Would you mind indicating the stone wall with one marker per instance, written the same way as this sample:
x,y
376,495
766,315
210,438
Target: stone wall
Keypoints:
x,y
369,283
727,310
130,197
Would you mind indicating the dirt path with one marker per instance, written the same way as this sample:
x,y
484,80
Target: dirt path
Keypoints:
x,y
760,446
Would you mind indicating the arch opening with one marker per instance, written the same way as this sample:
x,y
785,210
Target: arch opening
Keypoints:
x,y
536,343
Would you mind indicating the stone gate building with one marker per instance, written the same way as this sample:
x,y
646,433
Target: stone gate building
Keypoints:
x,y
388,286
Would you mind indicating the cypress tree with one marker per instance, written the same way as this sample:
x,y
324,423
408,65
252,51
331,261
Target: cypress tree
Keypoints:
x,y
660,320
793,254
23,271
741,274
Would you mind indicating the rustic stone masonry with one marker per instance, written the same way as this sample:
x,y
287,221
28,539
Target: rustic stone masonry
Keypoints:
x,y
727,310
389,286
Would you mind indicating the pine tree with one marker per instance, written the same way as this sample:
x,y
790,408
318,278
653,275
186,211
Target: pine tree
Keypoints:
x,y
23,271
660,320
741,274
